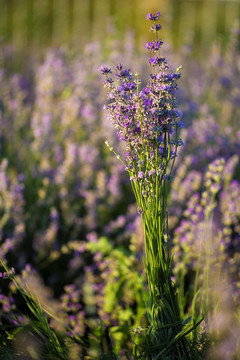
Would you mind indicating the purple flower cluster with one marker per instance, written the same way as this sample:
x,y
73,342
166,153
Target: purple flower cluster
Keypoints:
x,y
153,17
155,27
71,304
190,236
197,206
154,45
144,117
156,61
12,231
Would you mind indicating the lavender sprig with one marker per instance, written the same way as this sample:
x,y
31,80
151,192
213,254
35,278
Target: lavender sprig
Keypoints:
x,y
146,120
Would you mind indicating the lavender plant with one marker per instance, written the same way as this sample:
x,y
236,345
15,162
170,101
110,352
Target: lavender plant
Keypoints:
x,y
147,122
60,190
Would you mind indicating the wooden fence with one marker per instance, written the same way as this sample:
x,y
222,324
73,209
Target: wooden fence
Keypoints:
x,y
39,23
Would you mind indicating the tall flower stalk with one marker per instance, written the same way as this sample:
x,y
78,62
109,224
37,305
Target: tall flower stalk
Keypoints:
x,y
146,119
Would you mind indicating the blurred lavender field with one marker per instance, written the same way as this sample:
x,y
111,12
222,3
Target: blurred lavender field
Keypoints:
x,y
68,220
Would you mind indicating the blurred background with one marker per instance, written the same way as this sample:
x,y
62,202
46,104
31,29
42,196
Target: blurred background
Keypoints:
x,y
35,24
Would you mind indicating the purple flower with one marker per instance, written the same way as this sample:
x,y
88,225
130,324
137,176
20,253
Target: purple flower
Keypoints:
x,y
155,27
180,124
105,70
123,73
153,17
156,61
127,86
154,45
